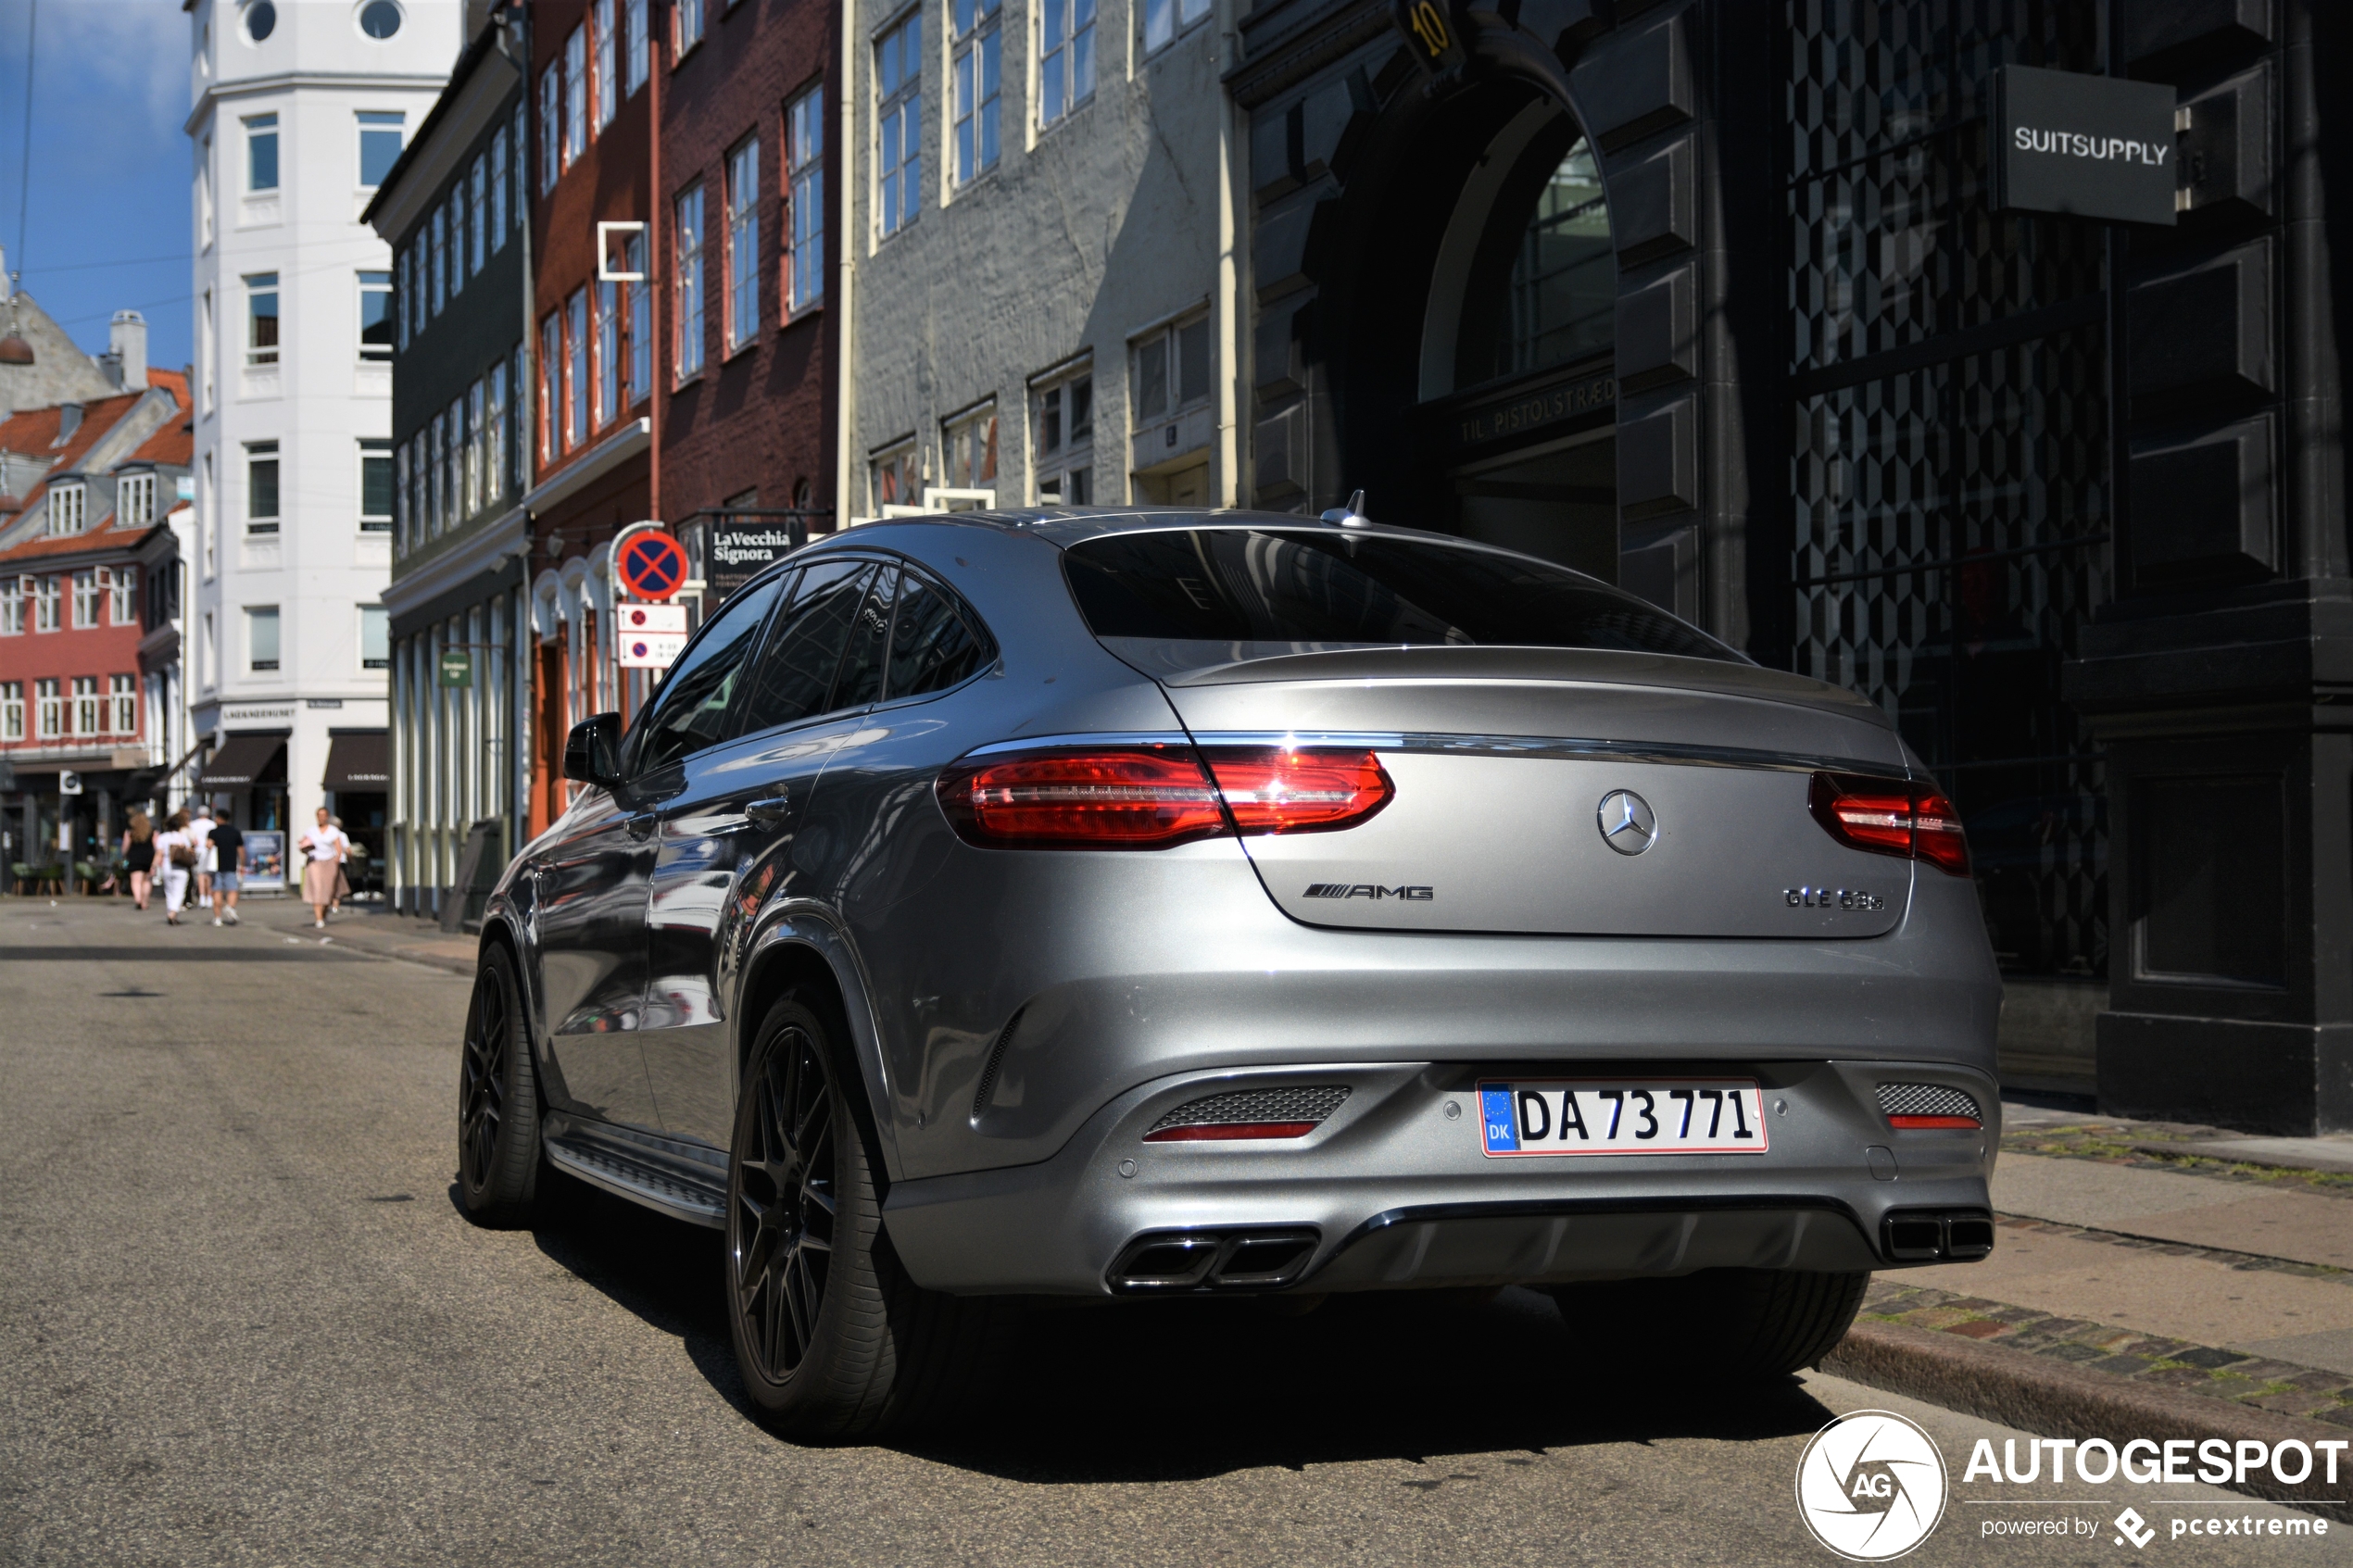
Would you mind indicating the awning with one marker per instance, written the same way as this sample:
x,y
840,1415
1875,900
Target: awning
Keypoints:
x,y
360,761
243,760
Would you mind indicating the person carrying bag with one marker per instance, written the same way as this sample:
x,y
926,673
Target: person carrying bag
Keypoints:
x,y
176,855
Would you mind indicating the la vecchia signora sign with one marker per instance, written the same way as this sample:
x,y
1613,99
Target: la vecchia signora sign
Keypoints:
x,y
2089,147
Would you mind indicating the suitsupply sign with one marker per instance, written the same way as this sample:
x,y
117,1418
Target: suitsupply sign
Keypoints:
x,y
2089,147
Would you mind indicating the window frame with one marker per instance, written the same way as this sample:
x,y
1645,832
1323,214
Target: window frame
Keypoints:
x,y
88,710
121,586
258,355
50,716
742,307
11,710
604,304
259,454
494,435
500,198
885,464
375,615
373,283
123,697
575,67
376,449
255,616
1064,456
961,437
693,332
260,130
378,122
551,91
638,323
636,46
899,107
551,335
605,93
578,417
68,508
12,601
1181,16
478,215
86,599
48,604
1062,61
804,189
977,80
687,26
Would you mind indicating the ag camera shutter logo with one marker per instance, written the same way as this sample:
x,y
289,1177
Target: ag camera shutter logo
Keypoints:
x,y
1871,1486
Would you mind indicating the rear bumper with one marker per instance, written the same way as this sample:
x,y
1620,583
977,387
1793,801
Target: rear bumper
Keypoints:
x,y
1393,1192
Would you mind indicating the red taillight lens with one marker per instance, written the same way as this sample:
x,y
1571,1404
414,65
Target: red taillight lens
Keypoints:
x,y
1151,796
1917,1123
1223,1132
1891,817
1278,791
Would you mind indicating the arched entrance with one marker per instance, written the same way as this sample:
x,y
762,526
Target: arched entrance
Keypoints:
x,y
1473,350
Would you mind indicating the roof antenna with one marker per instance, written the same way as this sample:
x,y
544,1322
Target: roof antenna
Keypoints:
x,y
1351,515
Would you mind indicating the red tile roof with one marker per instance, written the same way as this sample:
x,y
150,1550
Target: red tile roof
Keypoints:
x,y
172,444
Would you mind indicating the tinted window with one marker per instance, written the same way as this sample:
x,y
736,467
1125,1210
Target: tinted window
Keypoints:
x,y
931,649
796,675
859,682
690,711
1261,585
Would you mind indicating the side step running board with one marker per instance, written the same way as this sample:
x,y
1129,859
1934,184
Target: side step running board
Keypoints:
x,y
654,1183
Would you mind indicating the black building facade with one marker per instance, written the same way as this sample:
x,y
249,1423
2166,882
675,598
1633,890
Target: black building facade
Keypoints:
x,y
1718,299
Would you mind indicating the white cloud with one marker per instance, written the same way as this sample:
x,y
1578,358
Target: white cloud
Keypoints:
x,y
131,55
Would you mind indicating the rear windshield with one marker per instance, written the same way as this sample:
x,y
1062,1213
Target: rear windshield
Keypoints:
x,y
1341,590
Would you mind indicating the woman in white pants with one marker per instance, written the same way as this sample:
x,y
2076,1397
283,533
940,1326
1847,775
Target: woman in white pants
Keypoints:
x,y
171,845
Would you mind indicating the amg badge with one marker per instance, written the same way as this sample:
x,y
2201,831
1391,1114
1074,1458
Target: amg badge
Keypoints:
x,y
1367,890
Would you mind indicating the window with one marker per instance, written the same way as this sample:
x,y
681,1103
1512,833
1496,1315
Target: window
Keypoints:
x,y
689,14
1065,57
375,637
403,515
609,360
494,432
805,219
550,382
803,667
551,94
453,462
639,324
404,271
69,508
12,595
379,145
122,590
690,329
207,349
134,501
261,20
376,485
977,80
519,139
899,130
576,369
124,690
476,480
1065,425
633,41
1172,371
932,647
575,96
262,154
261,637
970,442
11,710
498,188
380,19
1163,19
516,445
210,518
86,601
261,487
894,476
437,244
53,708
47,603
89,708
743,244
437,497
375,316
207,654
478,221
608,83
204,192
261,317
697,695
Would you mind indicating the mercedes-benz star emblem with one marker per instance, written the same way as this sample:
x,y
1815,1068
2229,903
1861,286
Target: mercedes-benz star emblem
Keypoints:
x,y
1629,825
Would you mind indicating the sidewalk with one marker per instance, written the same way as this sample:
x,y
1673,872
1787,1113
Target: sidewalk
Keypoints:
x,y
2187,1277
363,928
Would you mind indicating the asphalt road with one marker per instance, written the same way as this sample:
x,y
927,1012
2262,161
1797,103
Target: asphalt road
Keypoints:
x,y
241,1321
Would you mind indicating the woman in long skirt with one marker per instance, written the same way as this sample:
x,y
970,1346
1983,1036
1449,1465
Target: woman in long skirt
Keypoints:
x,y
325,847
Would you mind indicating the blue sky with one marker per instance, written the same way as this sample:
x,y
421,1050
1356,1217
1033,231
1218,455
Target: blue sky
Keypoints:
x,y
107,217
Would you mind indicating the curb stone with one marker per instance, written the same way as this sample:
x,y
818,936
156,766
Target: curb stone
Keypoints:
x,y
2055,1398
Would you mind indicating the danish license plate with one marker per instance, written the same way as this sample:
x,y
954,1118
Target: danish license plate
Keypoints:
x,y
1535,1116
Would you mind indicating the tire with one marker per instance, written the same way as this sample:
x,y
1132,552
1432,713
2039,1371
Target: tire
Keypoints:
x,y
1759,1324
832,1338
498,1157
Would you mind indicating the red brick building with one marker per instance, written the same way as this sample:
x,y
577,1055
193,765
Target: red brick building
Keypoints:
x,y
748,143
89,592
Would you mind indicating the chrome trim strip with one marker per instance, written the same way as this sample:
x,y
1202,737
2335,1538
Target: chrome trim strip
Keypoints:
x,y
1539,748
640,1183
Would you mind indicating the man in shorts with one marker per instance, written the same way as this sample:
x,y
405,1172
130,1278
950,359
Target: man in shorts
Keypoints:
x,y
199,830
229,854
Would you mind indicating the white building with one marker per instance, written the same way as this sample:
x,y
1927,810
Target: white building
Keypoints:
x,y
299,108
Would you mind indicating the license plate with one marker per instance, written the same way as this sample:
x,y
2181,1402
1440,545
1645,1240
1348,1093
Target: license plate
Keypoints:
x,y
1538,1116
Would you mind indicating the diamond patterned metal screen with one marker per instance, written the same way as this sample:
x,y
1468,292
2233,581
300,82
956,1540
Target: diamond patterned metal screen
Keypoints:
x,y
1950,460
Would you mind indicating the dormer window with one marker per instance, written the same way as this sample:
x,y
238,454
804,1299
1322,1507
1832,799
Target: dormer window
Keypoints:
x,y
134,501
68,508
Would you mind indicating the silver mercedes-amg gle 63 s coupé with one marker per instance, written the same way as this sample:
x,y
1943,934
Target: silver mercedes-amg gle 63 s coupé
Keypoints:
x,y
1127,903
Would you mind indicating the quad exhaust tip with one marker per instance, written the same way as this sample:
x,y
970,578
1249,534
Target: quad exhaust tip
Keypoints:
x,y
1178,1262
1936,1235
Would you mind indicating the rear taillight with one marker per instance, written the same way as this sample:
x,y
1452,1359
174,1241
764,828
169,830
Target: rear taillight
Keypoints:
x,y
1150,797
1891,817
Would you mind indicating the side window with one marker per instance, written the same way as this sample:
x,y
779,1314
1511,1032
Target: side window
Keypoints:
x,y
796,676
931,645
690,712
861,668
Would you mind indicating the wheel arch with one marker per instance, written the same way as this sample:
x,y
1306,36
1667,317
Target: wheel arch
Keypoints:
x,y
804,950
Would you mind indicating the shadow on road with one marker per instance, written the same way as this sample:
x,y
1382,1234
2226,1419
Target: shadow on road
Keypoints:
x,y
1175,1390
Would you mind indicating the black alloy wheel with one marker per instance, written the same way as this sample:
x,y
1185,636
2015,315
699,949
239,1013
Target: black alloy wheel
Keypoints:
x,y
781,1208
497,1101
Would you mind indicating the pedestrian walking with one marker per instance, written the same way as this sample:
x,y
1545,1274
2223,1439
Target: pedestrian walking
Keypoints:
x,y
228,859
325,849
177,854
139,857
200,828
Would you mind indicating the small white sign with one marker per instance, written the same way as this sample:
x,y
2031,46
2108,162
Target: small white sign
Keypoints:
x,y
648,651
642,619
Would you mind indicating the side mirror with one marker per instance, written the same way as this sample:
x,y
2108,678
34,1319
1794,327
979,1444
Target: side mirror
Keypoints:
x,y
592,752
